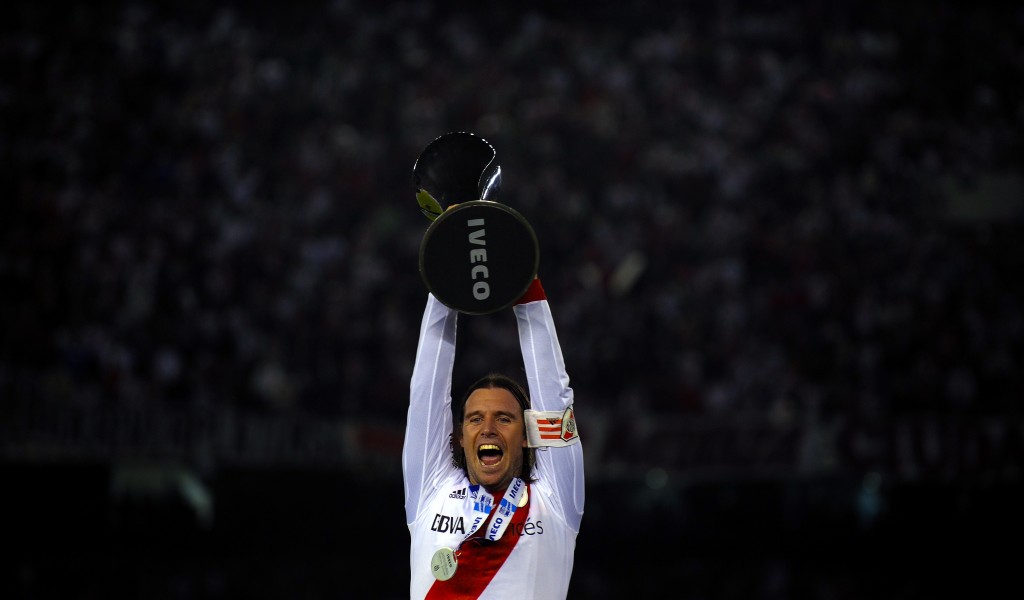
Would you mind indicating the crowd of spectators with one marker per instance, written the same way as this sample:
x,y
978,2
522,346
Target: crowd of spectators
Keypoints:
x,y
737,207
743,208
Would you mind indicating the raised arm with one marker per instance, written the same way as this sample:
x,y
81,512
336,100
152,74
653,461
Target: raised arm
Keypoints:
x,y
550,391
426,455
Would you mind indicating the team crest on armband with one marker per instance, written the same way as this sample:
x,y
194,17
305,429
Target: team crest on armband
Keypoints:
x,y
551,428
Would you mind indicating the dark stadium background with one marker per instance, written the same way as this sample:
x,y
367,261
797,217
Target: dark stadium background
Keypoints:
x,y
782,243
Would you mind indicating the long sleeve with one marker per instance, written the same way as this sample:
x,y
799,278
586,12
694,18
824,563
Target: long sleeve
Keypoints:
x,y
549,390
426,455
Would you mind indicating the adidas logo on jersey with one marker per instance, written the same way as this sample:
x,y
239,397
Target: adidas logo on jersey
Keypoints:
x,y
458,494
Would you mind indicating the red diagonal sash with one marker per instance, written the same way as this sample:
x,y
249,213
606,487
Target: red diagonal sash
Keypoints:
x,y
479,560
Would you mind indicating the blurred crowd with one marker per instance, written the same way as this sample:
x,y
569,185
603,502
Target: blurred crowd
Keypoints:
x,y
742,208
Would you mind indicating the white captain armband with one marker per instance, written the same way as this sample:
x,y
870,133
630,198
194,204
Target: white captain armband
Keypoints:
x,y
551,428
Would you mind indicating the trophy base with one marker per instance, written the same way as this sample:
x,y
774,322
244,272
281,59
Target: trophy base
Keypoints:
x,y
479,257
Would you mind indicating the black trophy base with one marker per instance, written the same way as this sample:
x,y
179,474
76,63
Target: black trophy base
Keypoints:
x,y
479,257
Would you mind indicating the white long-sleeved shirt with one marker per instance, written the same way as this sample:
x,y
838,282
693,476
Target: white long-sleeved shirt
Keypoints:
x,y
539,563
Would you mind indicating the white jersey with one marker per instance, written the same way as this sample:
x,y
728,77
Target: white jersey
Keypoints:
x,y
534,557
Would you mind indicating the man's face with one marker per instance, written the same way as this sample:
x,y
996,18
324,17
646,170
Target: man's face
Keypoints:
x,y
493,437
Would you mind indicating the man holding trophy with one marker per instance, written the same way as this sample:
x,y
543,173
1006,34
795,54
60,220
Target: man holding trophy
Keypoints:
x,y
494,484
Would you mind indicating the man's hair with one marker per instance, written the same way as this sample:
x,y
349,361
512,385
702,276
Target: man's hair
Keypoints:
x,y
491,381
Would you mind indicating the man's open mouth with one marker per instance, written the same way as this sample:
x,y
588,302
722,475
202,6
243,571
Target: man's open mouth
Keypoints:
x,y
489,454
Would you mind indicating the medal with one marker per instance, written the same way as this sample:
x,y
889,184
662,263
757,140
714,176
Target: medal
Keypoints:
x,y
443,564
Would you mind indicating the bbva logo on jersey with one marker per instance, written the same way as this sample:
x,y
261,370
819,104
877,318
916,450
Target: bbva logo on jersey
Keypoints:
x,y
446,524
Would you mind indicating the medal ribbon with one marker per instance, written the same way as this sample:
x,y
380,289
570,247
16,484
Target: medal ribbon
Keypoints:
x,y
483,503
506,508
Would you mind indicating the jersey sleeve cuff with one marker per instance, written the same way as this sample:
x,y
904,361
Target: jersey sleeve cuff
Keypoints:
x,y
533,293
